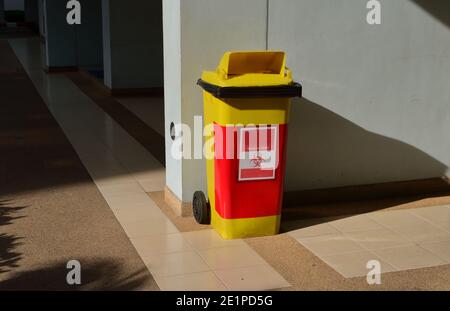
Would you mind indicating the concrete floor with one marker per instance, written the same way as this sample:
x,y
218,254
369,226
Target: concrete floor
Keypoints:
x,y
148,109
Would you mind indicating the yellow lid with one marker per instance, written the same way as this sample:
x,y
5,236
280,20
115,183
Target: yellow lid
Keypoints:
x,y
257,68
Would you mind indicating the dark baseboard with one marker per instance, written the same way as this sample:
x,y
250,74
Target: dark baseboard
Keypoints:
x,y
424,187
132,92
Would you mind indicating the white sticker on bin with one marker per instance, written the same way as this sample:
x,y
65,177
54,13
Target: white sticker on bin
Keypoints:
x,y
258,152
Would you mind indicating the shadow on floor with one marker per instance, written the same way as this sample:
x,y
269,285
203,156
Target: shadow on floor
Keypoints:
x,y
9,257
329,150
34,151
99,274
148,137
294,218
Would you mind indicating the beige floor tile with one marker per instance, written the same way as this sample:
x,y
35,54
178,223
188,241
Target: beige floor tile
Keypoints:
x,y
129,200
145,227
292,225
441,249
203,281
355,224
423,233
409,257
131,214
152,181
152,172
352,265
206,239
330,244
231,257
149,109
433,214
398,218
262,277
444,225
377,239
110,177
99,157
90,150
152,185
120,189
160,244
313,230
175,264
140,163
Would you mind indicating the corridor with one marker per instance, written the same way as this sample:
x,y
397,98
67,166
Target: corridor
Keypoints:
x,y
50,209
123,172
88,117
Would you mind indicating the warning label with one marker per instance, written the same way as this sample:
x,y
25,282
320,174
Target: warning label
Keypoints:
x,y
258,152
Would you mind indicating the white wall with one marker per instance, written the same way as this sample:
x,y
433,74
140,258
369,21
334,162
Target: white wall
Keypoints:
x,y
377,107
208,29
172,87
133,54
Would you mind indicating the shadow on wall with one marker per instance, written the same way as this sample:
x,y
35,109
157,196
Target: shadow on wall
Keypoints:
x,y
440,9
98,274
328,151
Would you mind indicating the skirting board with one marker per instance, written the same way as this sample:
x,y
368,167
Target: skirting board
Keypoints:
x,y
137,92
181,209
419,188
423,187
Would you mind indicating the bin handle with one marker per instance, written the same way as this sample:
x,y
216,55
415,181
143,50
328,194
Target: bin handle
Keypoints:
x,y
285,72
223,74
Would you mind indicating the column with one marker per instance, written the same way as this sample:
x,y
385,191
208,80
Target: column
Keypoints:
x,y
132,45
2,13
196,34
71,46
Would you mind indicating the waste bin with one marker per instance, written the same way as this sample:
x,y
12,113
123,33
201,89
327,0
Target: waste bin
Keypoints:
x,y
247,101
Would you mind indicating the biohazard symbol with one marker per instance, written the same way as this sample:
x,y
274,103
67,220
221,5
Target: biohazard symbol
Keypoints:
x,y
257,161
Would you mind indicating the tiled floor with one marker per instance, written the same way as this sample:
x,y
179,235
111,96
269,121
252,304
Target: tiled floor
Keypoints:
x,y
148,109
123,172
400,240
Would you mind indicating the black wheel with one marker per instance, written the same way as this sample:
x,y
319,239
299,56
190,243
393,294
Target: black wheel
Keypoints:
x,y
201,208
